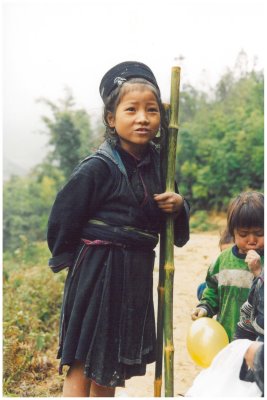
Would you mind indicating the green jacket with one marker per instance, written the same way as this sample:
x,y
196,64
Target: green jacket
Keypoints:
x,y
228,283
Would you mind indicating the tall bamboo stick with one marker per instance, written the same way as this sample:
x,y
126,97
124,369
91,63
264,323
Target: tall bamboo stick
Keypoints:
x,y
169,250
159,344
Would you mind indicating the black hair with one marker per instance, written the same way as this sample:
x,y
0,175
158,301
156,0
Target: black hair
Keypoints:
x,y
113,100
246,211
225,237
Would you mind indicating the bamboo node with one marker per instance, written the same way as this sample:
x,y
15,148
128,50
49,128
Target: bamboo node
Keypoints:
x,y
173,126
161,289
169,348
169,267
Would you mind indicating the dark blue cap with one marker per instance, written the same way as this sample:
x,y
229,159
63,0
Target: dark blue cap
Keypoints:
x,y
123,72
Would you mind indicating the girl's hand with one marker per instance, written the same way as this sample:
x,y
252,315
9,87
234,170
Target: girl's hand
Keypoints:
x,y
169,202
254,262
198,312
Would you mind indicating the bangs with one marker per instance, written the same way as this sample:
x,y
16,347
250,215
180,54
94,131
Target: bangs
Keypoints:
x,y
248,217
140,84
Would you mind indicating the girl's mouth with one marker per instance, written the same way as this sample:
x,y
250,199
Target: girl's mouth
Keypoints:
x,y
142,131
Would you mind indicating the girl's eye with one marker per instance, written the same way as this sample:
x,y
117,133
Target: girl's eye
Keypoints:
x,y
130,109
153,109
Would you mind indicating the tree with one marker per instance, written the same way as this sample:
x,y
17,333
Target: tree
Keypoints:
x,y
27,203
70,134
220,148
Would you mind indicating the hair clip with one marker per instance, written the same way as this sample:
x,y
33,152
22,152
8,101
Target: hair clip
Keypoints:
x,y
119,80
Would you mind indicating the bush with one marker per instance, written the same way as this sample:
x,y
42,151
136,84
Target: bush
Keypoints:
x,y
32,299
201,222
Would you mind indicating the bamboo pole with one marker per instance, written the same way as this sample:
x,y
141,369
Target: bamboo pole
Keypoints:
x,y
159,344
169,237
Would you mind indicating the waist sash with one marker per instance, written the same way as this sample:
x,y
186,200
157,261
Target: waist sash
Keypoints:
x,y
127,236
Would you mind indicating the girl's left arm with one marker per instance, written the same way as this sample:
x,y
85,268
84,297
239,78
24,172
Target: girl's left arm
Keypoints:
x,y
74,205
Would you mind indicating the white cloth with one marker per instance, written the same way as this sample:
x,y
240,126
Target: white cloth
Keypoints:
x,y
221,378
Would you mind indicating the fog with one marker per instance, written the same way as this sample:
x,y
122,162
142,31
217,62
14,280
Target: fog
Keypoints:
x,y
48,45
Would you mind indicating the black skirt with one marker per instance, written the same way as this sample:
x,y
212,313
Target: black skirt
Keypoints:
x,y
107,318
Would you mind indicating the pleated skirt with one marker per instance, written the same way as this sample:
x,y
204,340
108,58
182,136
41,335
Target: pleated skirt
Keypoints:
x,y
107,318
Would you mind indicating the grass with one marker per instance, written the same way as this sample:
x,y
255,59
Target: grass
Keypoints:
x,y
32,297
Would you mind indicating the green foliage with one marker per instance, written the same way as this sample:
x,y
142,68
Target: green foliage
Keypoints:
x,y
32,297
202,222
90,138
27,202
220,147
70,134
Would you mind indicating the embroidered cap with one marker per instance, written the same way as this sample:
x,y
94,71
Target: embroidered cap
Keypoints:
x,y
121,73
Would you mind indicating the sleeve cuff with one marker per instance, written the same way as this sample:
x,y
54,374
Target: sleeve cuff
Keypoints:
x,y
209,310
60,262
181,227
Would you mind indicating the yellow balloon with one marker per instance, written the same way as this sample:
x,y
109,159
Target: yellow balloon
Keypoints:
x,y
205,338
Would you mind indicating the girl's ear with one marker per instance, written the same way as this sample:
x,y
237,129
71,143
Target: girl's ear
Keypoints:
x,y
111,119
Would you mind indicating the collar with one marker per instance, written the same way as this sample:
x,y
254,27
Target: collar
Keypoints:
x,y
110,151
236,253
131,159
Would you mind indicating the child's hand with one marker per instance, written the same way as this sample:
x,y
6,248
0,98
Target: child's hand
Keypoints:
x,y
169,202
250,353
254,262
198,313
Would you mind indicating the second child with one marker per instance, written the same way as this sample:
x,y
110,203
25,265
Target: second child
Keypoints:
x,y
229,279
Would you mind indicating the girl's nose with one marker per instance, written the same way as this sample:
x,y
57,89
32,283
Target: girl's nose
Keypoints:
x,y
142,117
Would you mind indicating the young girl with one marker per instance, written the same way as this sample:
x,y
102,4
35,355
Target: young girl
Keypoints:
x,y
104,226
230,278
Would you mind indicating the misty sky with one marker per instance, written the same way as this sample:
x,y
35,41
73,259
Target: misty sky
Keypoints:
x,y
48,45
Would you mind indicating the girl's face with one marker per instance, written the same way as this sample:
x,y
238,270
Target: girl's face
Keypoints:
x,y
136,119
249,239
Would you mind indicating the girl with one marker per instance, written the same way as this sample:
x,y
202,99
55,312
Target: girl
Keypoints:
x,y
230,278
104,226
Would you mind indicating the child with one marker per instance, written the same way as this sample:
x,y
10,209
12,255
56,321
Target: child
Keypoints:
x,y
251,322
104,226
251,326
225,241
229,278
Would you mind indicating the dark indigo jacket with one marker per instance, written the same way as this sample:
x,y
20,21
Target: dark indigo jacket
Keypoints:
x,y
99,188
